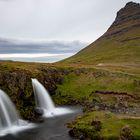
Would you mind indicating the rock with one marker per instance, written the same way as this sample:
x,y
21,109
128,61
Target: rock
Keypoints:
x,y
96,107
126,133
75,133
97,125
40,120
71,133
128,14
39,111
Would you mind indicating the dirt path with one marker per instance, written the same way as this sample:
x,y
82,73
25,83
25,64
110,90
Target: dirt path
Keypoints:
x,y
129,117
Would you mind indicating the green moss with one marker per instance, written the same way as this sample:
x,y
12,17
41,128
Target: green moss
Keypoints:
x,y
82,87
111,124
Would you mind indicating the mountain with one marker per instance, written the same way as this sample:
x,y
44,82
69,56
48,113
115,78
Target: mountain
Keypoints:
x,y
120,44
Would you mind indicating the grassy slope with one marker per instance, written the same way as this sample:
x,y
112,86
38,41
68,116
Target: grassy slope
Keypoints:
x,y
119,59
117,78
31,67
110,51
120,44
111,124
84,84
81,86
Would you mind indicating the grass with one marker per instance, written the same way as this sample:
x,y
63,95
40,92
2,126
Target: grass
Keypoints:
x,y
107,51
27,66
111,124
81,87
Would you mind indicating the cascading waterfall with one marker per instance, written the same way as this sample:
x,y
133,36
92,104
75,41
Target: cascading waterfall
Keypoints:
x,y
8,113
44,101
10,122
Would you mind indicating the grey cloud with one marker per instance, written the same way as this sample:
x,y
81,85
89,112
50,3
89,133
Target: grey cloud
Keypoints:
x,y
41,47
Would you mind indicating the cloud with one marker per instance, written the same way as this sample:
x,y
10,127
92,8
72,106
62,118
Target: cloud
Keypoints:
x,y
53,47
38,50
43,57
25,55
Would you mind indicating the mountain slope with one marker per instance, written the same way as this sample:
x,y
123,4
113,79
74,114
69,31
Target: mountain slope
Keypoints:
x,y
120,44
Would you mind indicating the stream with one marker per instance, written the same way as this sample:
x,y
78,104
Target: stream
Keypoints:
x,y
51,129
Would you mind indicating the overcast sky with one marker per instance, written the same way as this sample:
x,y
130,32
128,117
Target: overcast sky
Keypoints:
x,y
83,20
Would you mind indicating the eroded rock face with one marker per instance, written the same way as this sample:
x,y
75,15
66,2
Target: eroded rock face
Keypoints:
x,y
130,12
127,18
17,84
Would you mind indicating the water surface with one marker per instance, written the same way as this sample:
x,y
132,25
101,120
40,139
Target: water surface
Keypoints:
x,y
51,129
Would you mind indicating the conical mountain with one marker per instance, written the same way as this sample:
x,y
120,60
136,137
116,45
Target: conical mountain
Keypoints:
x,y
120,44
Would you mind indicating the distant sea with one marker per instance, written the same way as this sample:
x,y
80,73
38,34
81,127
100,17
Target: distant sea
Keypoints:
x,y
35,57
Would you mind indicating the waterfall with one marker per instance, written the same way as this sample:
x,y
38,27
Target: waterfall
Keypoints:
x,y
8,113
44,101
10,122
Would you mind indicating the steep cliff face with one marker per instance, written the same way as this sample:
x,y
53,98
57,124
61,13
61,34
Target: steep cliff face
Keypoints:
x,y
120,44
15,80
127,18
17,84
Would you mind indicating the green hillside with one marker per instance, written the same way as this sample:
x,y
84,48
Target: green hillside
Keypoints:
x,y
120,44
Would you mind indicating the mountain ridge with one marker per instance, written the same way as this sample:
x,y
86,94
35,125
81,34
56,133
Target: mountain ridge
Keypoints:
x,y
119,44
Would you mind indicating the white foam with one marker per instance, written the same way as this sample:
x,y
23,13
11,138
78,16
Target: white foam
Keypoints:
x,y
14,129
58,111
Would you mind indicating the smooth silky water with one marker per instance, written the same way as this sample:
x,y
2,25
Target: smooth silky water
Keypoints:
x,y
45,103
10,121
52,128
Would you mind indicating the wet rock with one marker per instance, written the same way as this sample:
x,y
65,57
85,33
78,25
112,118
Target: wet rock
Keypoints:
x,y
72,133
39,120
39,111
